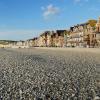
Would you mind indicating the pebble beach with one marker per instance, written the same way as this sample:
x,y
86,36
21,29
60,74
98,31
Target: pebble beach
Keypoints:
x,y
45,74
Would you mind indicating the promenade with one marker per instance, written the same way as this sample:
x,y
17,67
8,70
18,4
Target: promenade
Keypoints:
x,y
49,74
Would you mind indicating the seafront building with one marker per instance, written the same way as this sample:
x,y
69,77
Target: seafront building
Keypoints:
x,y
80,35
59,38
76,36
35,41
51,39
18,44
45,39
98,33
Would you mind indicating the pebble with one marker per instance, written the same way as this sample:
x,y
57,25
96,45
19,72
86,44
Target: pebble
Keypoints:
x,y
40,75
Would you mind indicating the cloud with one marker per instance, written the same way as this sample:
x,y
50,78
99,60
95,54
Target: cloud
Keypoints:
x,y
50,10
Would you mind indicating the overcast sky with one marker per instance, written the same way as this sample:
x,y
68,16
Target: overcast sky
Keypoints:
x,y
24,19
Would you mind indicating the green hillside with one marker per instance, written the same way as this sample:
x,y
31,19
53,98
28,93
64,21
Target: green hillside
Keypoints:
x,y
5,42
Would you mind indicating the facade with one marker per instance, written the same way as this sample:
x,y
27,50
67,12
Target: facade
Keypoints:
x,y
51,39
89,36
35,42
76,37
59,38
29,43
19,44
98,25
41,41
47,38
80,35
98,33
4,46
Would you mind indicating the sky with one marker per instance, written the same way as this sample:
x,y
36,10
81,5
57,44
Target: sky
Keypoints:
x,y
25,19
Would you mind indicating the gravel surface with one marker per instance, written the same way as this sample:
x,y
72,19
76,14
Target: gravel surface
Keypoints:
x,y
35,74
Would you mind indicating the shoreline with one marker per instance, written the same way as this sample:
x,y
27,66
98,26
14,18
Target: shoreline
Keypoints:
x,y
70,49
58,49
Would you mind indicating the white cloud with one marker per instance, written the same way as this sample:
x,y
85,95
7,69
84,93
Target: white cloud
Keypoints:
x,y
50,10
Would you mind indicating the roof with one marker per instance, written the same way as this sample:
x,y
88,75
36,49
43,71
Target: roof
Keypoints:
x,y
46,33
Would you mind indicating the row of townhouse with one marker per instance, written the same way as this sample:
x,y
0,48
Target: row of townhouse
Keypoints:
x,y
51,39
85,35
81,35
21,44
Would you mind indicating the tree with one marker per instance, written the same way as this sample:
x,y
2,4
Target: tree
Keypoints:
x,y
92,23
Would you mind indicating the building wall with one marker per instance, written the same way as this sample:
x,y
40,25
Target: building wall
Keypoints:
x,y
98,26
41,41
82,35
49,41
